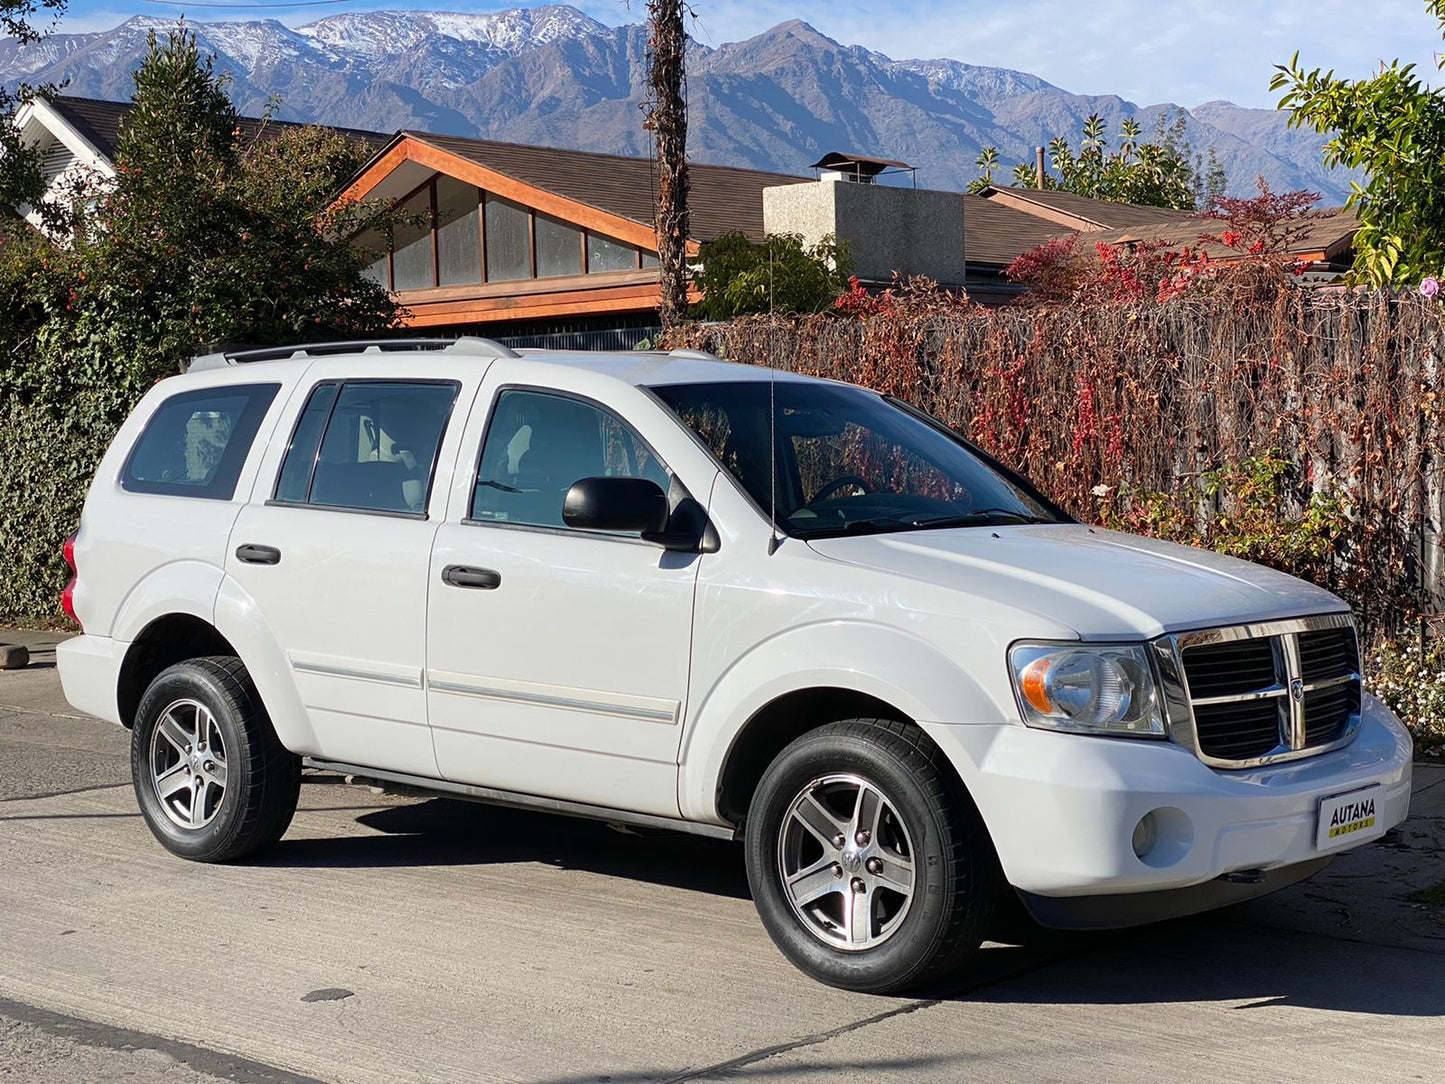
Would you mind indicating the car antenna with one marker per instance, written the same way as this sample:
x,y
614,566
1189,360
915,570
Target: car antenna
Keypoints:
x,y
773,540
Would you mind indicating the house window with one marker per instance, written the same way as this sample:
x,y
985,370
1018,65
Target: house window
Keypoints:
x,y
559,248
508,240
376,272
459,232
461,236
411,260
605,255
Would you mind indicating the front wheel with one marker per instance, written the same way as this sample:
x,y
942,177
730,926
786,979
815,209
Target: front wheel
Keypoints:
x,y
213,781
870,868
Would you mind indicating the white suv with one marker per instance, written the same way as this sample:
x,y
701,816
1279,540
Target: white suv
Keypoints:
x,y
670,591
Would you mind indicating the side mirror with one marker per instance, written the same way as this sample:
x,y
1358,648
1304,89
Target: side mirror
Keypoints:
x,y
616,504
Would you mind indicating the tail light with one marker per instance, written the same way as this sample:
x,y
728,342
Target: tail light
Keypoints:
x,y
67,597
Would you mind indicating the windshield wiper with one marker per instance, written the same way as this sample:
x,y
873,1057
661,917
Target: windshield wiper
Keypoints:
x,y
978,515
872,526
978,518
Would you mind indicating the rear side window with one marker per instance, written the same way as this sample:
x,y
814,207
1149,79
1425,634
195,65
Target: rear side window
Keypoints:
x,y
195,443
367,445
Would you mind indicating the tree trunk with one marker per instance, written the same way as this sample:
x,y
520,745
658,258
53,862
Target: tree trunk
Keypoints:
x,y
667,119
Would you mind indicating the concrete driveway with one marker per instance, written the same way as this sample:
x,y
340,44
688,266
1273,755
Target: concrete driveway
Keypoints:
x,y
391,939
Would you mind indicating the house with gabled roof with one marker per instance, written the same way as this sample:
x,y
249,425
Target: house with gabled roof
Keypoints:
x,y
545,246
78,136
537,239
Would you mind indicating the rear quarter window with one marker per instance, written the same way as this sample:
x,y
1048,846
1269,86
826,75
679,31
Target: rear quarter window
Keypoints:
x,y
196,442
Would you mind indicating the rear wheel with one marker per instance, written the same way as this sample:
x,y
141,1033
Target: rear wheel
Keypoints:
x,y
213,781
869,866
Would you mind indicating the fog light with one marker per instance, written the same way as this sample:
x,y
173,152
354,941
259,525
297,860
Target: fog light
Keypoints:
x,y
1145,833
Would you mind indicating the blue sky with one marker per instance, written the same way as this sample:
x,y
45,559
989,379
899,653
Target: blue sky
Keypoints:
x,y
1186,51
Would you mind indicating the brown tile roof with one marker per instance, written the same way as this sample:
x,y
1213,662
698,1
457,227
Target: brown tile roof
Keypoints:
x,y
994,234
1329,230
100,121
1099,213
722,198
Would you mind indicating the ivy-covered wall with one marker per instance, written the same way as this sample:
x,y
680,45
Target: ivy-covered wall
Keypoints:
x,y
1302,429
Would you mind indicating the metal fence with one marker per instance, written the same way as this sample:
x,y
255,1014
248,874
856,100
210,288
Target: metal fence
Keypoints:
x,y
626,338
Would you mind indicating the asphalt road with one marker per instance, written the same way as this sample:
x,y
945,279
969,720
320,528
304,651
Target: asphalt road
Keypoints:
x,y
392,939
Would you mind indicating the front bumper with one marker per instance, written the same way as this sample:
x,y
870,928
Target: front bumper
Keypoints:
x,y
1062,808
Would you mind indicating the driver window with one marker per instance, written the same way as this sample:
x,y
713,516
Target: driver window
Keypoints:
x,y
538,445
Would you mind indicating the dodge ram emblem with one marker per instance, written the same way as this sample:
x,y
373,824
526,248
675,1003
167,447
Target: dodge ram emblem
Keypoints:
x,y
1297,690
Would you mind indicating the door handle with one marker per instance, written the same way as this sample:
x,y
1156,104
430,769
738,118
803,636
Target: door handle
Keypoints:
x,y
466,576
253,554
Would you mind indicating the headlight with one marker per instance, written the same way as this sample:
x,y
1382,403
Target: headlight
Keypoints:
x,y
1087,688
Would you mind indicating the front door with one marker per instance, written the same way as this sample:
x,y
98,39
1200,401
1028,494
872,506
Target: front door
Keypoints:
x,y
557,658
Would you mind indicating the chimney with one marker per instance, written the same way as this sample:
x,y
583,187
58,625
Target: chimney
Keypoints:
x,y
888,228
1039,168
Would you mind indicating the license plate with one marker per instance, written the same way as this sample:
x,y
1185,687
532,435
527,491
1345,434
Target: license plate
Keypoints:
x,y
1347,819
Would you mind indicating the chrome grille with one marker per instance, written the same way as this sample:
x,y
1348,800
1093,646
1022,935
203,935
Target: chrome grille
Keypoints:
x,y
1256,694
1238,731
1231,668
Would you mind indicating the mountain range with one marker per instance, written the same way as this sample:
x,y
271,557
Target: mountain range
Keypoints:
x,y
554,76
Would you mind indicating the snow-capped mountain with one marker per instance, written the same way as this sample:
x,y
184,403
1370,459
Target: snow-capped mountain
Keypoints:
x,y
553,75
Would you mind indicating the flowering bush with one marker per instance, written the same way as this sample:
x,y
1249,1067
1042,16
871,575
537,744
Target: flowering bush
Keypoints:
x,y
1411,680
1264,225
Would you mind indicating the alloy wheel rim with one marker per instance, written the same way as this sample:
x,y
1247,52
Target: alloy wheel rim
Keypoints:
x,y
188,764
846,861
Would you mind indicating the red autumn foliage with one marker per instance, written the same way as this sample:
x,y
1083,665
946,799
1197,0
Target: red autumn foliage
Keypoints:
x,y
1268,224
1258,234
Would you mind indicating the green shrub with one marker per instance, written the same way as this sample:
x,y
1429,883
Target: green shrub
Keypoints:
x,y
199,242
1253,511
780,274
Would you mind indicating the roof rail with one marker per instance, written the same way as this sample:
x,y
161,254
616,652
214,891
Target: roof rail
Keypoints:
x,y
467,344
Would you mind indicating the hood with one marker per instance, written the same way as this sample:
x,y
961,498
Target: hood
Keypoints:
x,y
1102,584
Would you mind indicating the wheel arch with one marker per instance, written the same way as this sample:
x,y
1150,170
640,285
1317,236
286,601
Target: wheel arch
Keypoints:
x,y
788,685
778,724
165,641
238,630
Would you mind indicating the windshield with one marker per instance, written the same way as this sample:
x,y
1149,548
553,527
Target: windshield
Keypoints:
x,y
849,461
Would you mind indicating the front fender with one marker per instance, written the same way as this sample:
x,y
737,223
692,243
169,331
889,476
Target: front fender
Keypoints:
x,y
240,621
902,670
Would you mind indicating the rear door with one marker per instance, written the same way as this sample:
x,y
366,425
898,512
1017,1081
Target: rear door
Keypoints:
x,y
334,546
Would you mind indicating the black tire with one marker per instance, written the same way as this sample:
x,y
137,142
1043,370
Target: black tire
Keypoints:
x,y
956,880
262,779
